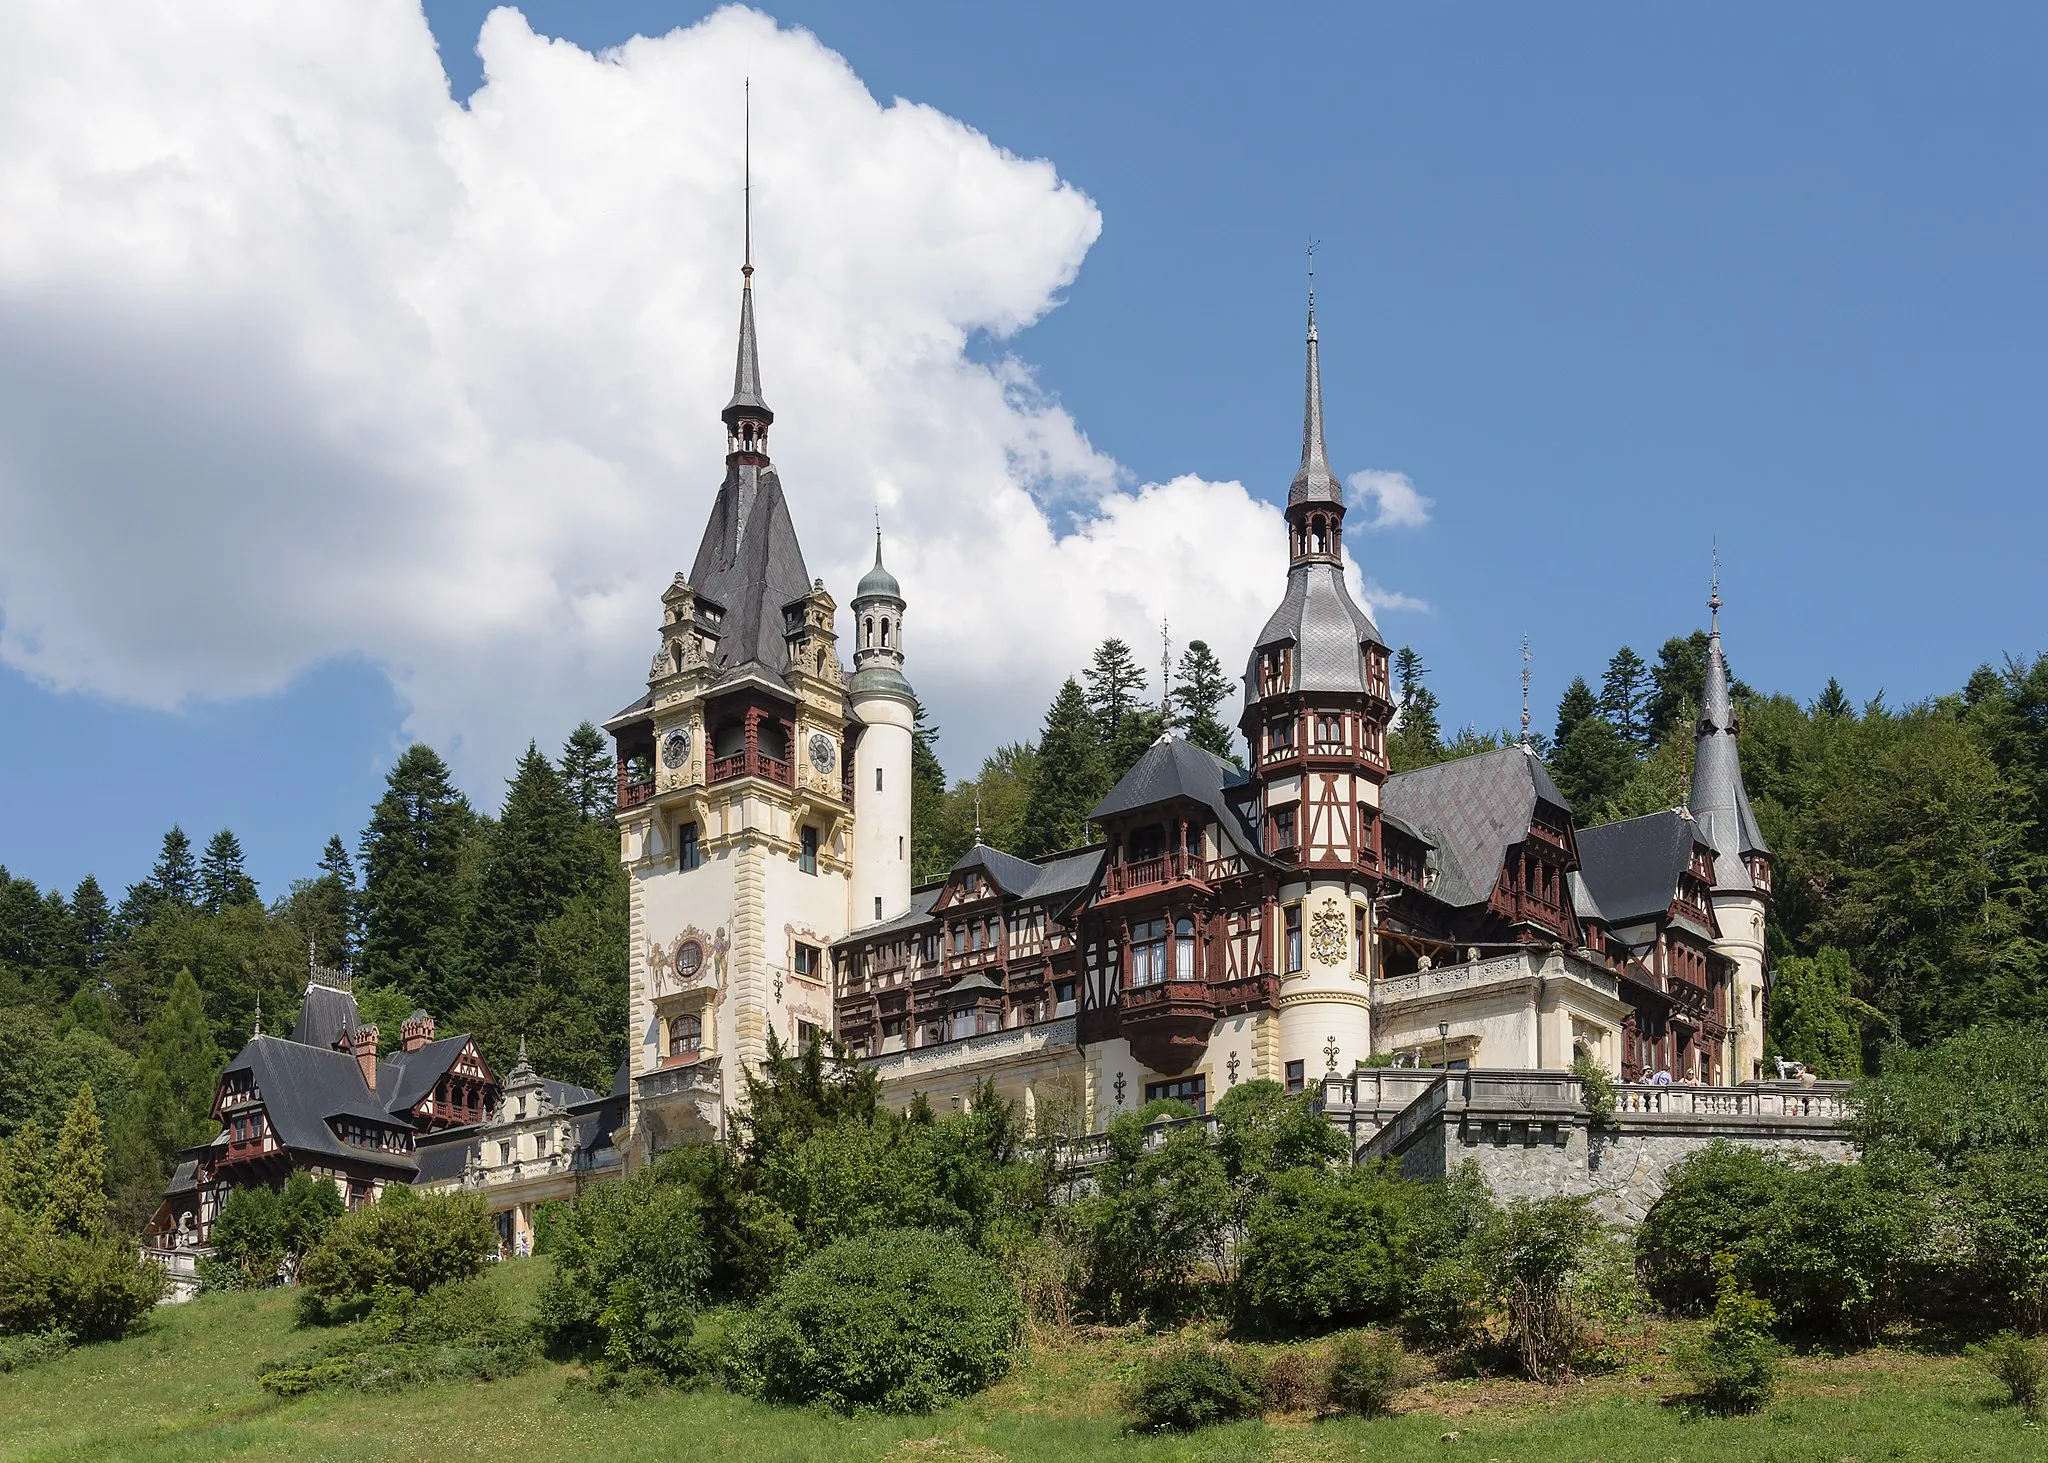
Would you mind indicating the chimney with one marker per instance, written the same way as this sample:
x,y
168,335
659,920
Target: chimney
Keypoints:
x,y
363,1043
417,1031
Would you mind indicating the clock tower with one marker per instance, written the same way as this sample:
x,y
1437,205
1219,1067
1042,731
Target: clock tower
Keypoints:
x,y
735,801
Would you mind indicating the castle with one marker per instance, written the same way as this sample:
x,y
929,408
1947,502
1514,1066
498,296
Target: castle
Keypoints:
x,y
1298,918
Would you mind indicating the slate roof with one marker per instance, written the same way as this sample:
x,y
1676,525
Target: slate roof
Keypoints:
x,y
444,1160
1473,809
1318,617
403,1078
1719,800
1632,868
324,1015
1180,769
746,371
306,1087
921,901
1314,482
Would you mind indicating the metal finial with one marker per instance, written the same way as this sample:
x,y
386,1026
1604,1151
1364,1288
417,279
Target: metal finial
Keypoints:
x,y
1165,669
1312,287
1525,694
259,1016
747,181
977,814
1714,595
522,1048
311,964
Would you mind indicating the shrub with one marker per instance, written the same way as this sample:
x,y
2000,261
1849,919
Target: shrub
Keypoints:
x,y
1367,1373
94,1288
1325,1249
1844,1247
630,1268
262,1235
19,1352
1596,1088
1297,1380
899,1321
2001,1199
1194,1384
450,1333
1156,1217
1607,1298
1532,1252
2019,1365
1734,1366
404,1241
1447,1304
1714,1203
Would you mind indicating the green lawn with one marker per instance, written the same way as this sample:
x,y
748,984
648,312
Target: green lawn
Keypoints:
x,y
184,1390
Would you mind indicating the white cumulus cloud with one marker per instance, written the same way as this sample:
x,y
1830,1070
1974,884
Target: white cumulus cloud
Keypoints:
x,y
302,359
1390,498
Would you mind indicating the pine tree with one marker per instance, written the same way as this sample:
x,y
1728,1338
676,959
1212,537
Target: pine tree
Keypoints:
x,y
25,1172
411,901
1115,681
589,774
92,924
1815,1018
1590,764
534,865
171,888
1202,689
1833,703
1677,684
1577,703
175,1077
223,883
78,1172
1622,695
332,903
1068,780
928,859
1408,673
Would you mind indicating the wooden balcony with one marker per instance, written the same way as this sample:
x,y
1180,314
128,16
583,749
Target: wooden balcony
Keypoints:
x,y
633,794
1153,873
1168,1024
760,764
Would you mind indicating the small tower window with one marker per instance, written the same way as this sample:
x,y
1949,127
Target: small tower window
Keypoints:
x,y
807,852
885,632
878,906
1293,926
868,630
1184,949
688,855
685,1035
878,779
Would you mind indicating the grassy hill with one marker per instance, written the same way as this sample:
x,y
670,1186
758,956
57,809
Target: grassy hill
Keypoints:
x,y
184,1390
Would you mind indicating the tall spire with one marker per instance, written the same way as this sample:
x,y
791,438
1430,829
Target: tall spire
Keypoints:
x,y
1314,483
1718,800
747,415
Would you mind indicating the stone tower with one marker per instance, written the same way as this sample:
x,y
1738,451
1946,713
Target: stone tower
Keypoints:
x,y
1742,861
734,800
1315,721
886,709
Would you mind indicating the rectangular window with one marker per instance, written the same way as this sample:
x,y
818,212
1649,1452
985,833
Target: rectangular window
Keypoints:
x,y
807,960
1283,828
1329,730
980,931
1063,998
878,906
1361,940
1296,1076
1280,735
806,1035
807,855
1292,916
688,856
878,779
1148,952
1194,1091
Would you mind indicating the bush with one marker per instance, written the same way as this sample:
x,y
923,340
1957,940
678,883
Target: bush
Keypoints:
x,y
1325,1249
2019,1365
1297,1380
1367,1373
1734,1366
899,1321
1845,1247
262,1235
19,1352
1447,1305
630,1269
93,1288
405,1241
1156,1217
1194,1384
1533,1251
2001,1198
1714,1203
454,1332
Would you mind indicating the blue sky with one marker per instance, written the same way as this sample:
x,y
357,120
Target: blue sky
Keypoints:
x,y
1606,284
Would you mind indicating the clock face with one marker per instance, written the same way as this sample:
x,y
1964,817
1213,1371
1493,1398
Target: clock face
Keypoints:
x,y
675,749
823,753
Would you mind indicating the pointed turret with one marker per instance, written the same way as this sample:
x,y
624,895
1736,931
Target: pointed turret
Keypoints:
x,y
1720,802
1314,483
747,403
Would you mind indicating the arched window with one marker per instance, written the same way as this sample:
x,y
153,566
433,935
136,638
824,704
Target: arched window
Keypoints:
x,y
870,630
1184,949
685,1035
885,632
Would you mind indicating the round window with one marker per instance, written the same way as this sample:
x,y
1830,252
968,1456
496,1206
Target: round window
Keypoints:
x,y
689,956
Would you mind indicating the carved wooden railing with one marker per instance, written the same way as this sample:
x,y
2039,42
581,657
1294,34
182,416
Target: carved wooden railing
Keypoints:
x,y
1172,868
760,764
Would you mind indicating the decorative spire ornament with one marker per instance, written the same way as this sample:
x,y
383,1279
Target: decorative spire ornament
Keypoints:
x,y
259,1015
1525,744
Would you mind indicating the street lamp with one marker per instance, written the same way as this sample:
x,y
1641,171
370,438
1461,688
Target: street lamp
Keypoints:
x,y
1443,1032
